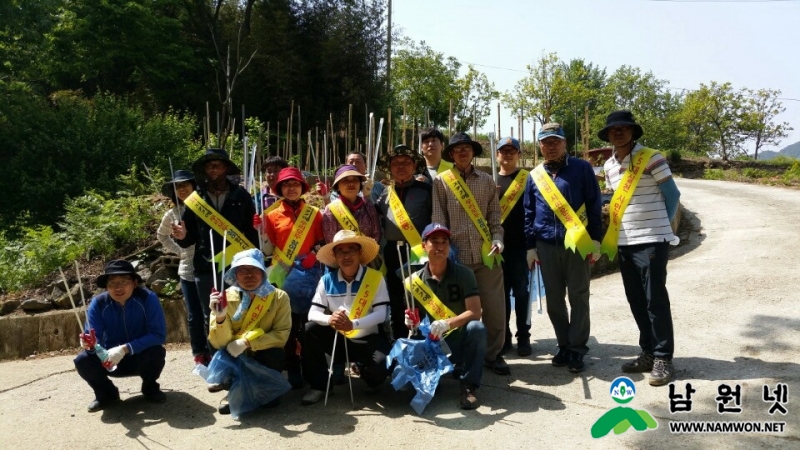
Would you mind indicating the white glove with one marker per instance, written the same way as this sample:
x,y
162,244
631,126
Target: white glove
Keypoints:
x,y
237,347
214,300
115,355
533,257
438,328
499,244
366,191
596,253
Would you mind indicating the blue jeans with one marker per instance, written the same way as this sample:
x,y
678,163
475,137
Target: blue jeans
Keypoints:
x,y
197,316
468,347
515,277
644,275
147,364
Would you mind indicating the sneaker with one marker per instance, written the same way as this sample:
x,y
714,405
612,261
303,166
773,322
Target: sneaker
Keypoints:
x,y
524,347
224,409
313,396
576,363
157,396
662,372
96,405
562,357
216,387
642,363
468,400
498,366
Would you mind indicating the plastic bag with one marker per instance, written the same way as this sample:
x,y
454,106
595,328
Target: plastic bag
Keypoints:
x,y
252,384
421,363
301,285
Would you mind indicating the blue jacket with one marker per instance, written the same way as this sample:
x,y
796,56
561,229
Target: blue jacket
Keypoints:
x,y
139,325
577,183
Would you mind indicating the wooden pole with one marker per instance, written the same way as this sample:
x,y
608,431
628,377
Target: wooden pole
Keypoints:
x,y
404,123
474,125
389,140
207,125
349,142
535,145
498,118
290,129
521,131
450,119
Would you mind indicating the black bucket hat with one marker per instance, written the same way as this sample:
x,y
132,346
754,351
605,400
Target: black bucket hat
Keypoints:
x,y
461,138
618,119
180,175
213,154
117,267
385,161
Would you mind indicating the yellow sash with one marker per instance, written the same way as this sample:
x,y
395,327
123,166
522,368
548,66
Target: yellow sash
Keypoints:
x,y
218,223
300,230
258,307
344,216
364,298
403,222
270,208
576,238
513,194
425,296
467,201
444,165
622,196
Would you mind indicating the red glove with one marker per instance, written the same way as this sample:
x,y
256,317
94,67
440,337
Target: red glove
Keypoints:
x,y
257,222
218,300
322,188
88,340
412,318
309,260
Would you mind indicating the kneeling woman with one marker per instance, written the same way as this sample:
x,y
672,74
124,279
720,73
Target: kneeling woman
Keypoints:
x,y
252,318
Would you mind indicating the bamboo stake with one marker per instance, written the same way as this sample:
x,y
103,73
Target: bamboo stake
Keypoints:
x,y
404,123
349,127
450,119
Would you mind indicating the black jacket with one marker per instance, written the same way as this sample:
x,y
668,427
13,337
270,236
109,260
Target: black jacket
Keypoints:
x,y
416,197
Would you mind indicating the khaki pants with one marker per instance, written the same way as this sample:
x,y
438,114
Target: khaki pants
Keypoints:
x,y
493,316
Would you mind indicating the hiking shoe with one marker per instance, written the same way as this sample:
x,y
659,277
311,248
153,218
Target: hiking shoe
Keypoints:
x,y
576,363
157,396
662,372
224,409
524,347
313,396
642,363
468,400
498,366
562,357
97,405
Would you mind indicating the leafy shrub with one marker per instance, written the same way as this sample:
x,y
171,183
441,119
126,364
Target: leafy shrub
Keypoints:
x,y
674,156
752,172
792,173
713,174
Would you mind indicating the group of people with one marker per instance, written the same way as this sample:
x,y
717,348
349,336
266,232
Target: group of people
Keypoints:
x,y
337,281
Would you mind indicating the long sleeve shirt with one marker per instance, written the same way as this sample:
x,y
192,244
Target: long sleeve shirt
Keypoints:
x,y
164,235
334,293
276,322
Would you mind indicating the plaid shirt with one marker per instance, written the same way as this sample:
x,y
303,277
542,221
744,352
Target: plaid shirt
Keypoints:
x,y
448,211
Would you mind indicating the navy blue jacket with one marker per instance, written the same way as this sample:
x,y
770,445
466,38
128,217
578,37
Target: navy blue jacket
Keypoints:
x,y
140,323
577,183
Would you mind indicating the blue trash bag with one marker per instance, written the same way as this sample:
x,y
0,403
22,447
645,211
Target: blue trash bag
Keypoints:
x,y
301,285
252,384
421,363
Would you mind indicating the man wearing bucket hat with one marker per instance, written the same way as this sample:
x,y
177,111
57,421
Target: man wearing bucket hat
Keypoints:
x,y
295,228
127,320
257,319
448,293
562,230
350,211
183,184
512,182
405,207
352,301
216,201
465,200
642,209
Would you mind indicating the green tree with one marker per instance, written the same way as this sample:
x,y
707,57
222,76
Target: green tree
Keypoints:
x,y
758,120
542,91
713,117
475,94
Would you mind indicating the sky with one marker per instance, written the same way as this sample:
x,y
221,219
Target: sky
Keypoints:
x,y
749,43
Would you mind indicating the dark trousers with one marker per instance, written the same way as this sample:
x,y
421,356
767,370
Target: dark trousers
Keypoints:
x,y
644,275
468,347
197,315
566,273
395,287
295,341
147,364
369,351
274,358
515,277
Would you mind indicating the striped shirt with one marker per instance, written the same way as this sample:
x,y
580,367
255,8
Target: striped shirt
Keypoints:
x,y
645,219
448,211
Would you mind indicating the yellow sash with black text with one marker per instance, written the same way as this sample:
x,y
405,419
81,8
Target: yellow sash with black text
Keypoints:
x,y
443,166
348,222
258,308
283,259
621,198
464,196
364,298
427,298
512,194
218,223
576,237
406,226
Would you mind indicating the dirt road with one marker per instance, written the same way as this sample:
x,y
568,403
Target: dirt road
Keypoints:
x,y
735,297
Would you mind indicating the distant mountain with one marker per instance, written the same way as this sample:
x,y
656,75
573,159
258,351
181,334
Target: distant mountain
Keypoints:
x,y
791,151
